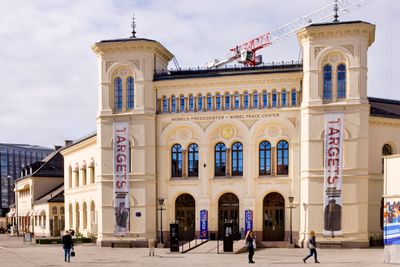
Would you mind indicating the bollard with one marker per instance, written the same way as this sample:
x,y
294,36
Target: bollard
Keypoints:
x,y
151,246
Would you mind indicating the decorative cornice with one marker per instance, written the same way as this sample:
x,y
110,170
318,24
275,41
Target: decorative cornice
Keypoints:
x,y
206,83
385,122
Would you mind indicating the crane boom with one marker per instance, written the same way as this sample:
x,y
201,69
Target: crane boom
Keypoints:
x,y
246,52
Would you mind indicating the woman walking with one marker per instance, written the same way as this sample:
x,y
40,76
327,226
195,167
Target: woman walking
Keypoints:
x,y
67,245
249,245
312,244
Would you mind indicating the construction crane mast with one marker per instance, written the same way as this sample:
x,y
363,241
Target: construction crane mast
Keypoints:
x,y
246,52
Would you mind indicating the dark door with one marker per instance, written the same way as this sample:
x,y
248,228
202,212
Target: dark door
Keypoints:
x,y
274,217
185,216
228,212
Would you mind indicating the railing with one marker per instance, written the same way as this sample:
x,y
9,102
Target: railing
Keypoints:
x,y
228,68
189,245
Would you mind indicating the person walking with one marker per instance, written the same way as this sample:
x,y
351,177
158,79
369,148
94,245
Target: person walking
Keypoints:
x,y
250,245
67,245
312,244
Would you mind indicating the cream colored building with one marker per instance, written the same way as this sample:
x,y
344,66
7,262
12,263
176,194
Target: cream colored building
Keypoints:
x,y
234,139
39,198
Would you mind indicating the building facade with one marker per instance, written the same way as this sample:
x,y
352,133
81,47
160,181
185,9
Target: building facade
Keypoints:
x,y
235,141
39,206
14,157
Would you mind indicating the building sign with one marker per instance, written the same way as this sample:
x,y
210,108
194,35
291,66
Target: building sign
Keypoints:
x,y
121,178
203,224
248,220
391,221
238,116
333,159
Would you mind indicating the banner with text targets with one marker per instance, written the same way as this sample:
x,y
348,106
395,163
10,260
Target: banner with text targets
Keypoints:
x,y
333,164
121,178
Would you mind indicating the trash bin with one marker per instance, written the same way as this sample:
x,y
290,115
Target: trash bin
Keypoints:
x,y
151,246
212,236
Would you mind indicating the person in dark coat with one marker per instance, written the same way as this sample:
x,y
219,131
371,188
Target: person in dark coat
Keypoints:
x,y
249,245
332,216
121,216
312,244
67,245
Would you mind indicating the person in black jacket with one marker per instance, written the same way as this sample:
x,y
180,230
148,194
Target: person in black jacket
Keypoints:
x,y
312,244
249,245
67,245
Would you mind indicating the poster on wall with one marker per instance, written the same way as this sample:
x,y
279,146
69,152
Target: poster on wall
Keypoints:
x,y
121,178
203,224
391,221
248,220
333,164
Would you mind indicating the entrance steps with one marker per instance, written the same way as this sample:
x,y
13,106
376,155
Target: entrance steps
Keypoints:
x,y
214,247
273,244
192,244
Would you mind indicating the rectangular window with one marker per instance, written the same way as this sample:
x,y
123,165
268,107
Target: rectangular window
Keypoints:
x,y
200,99
209,102
227,101
294,100
246,101
284,99
274,99
165,104
265,99
237,101
191,103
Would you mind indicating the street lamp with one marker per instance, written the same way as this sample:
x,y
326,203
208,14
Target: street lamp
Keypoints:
x,y
291,198
161,202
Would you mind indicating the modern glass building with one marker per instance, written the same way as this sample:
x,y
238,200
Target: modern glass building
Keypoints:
x,y
13,157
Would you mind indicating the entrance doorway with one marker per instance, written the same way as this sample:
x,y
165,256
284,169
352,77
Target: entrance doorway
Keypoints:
x,y
185,210
274,217
228,211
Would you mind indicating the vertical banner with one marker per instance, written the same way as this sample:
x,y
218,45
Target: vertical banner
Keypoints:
x,y
203,224
333,164
391,221
248,220
121,178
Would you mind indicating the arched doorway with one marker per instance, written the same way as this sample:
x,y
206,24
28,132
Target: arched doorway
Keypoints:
x,y
185,210
228,211
274,217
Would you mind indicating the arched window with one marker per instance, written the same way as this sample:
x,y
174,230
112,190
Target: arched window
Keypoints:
x,y
191,103
218,102
173,104
255,99
294,98
283,158
341,76
246,100
237,101
209,102
227,101
176,160
327,82
165,104
264,158
193,160
274,99
284,103
130,92
200,102
386,151
265,99
118,93
182,104
237,159
220,159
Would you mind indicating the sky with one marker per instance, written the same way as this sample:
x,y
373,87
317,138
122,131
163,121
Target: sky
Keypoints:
x,y
49,74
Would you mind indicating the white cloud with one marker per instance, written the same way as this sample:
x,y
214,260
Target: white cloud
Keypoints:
x,y
49,73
